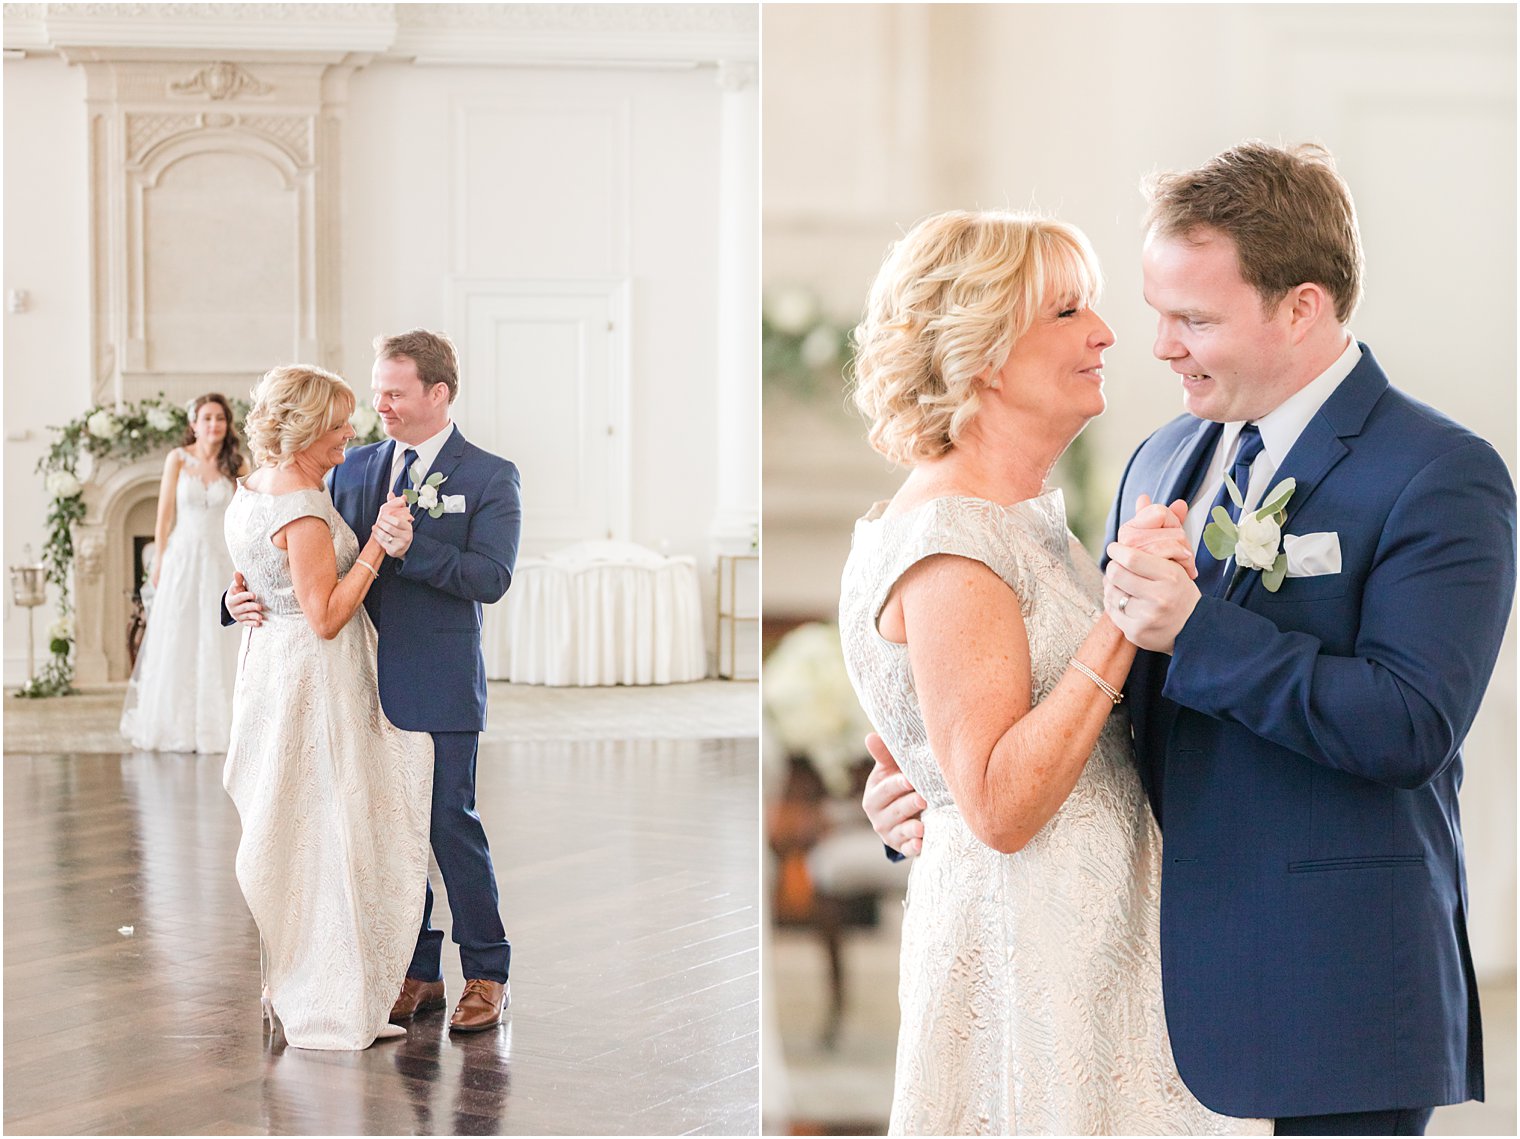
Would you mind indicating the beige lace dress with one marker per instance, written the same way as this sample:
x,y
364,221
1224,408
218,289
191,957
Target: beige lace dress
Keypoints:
x,y
1030,983
334,800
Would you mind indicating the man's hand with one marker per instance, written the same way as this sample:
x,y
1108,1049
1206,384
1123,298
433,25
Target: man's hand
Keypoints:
x,y
393,526
1157,529
1161,597
893,806
242,605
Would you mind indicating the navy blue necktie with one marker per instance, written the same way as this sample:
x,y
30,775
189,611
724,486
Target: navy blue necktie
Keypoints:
x,y
1211,569
407,460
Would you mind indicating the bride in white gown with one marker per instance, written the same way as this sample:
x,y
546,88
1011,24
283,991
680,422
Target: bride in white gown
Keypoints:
x,y
334,800
180,694
973,630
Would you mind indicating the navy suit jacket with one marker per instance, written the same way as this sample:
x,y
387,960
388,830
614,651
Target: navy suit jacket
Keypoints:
x,y
1303,750
426,607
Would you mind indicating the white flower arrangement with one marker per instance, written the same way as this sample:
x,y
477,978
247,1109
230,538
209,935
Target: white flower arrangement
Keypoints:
x,y
820,347
102,424
812,705
119,435
61,484
365,420
793,311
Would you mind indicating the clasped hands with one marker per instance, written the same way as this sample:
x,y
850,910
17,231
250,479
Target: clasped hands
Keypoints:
x,y
393,526
1148,588
392,529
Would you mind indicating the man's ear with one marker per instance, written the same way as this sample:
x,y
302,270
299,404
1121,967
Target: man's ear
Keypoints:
x,y
1308,305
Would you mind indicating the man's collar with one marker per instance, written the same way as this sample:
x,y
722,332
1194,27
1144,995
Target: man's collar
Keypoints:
x,y
1281,427
428,449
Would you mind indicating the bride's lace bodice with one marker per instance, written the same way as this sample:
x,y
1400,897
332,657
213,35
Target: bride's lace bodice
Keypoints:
x,y
180,694
199,505
1030,983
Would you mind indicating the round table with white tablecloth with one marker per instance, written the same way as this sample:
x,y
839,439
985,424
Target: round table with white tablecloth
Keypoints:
x,y
598,613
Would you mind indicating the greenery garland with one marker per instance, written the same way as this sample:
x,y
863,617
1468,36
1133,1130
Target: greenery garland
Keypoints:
x,y
121,435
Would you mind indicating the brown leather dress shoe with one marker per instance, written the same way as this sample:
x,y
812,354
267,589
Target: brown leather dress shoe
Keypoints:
x,y
480,1006
417,996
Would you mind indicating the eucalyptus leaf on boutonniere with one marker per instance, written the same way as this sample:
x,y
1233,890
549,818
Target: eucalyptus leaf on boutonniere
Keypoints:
x,y
1255,541
426,494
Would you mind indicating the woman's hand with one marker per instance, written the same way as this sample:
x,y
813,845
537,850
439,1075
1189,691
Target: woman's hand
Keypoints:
x,y
1157,529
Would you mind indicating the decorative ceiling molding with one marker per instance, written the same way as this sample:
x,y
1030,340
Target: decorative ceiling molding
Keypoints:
x,y
569,34
491,34
224,29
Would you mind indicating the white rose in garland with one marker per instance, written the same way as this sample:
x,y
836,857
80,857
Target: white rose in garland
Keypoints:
x,y
820,348
160,420
793,311
102,424
61,484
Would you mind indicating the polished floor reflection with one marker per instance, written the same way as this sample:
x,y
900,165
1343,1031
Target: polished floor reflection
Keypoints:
x,y
628,876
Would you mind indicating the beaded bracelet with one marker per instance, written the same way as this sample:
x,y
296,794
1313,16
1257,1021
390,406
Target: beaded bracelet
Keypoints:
x,y
1108,689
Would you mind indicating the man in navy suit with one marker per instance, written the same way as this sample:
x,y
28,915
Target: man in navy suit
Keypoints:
x,y
1302,746
426,606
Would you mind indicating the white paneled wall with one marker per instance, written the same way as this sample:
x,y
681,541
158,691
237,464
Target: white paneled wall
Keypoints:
x,y
551,353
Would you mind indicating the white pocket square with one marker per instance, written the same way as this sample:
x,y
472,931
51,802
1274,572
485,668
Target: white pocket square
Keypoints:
x,y
1313,555
454,504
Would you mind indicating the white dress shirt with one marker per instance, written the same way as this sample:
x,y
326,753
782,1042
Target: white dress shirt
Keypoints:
x,y
1280,429
427,453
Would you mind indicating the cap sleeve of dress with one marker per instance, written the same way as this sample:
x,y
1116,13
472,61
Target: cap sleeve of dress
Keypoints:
x,y
300,504
963,527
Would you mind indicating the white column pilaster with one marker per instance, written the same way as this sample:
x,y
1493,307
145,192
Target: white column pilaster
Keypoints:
x,y
738,364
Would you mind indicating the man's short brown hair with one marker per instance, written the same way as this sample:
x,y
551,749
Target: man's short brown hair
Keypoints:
x,y
431,352
1286,209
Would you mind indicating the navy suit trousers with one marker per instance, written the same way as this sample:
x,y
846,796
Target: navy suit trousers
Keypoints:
x,y
459,845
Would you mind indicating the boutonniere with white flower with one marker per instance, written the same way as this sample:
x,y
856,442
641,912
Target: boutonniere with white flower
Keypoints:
x,y
424,492
1256,541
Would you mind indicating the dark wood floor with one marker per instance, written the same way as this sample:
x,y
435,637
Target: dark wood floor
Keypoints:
x,y
628,874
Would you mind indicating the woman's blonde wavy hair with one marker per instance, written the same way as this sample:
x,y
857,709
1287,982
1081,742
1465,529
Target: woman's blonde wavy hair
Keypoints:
x,y
949,302
294,405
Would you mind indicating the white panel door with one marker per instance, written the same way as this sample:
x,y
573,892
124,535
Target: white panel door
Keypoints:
x,y
543,384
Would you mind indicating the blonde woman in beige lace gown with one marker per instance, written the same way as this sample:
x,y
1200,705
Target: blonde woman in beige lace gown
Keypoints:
x,y
973,630
334,800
